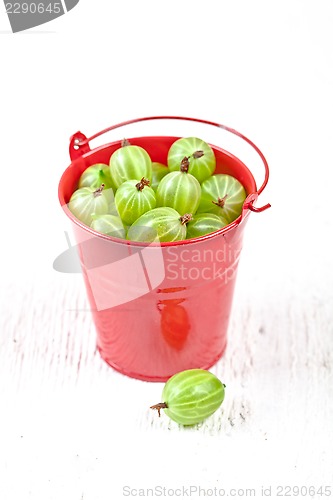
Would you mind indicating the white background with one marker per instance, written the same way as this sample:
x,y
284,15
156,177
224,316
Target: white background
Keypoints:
x,y
72,428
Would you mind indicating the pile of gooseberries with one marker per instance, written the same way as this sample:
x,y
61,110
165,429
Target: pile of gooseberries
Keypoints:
x,y
141,200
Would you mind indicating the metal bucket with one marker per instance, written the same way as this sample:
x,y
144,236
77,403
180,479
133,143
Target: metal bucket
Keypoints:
x,y
160,308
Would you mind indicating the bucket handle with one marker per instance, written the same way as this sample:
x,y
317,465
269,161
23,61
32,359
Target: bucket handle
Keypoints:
x,y
79,145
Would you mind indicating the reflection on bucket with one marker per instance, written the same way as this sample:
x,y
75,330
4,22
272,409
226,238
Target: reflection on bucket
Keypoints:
x,y
175,324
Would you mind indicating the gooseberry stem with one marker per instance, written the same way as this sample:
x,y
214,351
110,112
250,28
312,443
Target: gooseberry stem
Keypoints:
x,y
184,219
185,164
99,190
159,407
125,142
220,201
140,185
198,154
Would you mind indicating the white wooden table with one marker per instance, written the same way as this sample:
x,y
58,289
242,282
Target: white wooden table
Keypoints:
x,y
72,428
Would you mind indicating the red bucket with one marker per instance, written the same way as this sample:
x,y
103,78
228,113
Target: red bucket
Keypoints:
x,y
161,308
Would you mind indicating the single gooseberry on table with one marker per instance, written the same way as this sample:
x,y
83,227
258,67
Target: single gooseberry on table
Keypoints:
x,y
191,396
